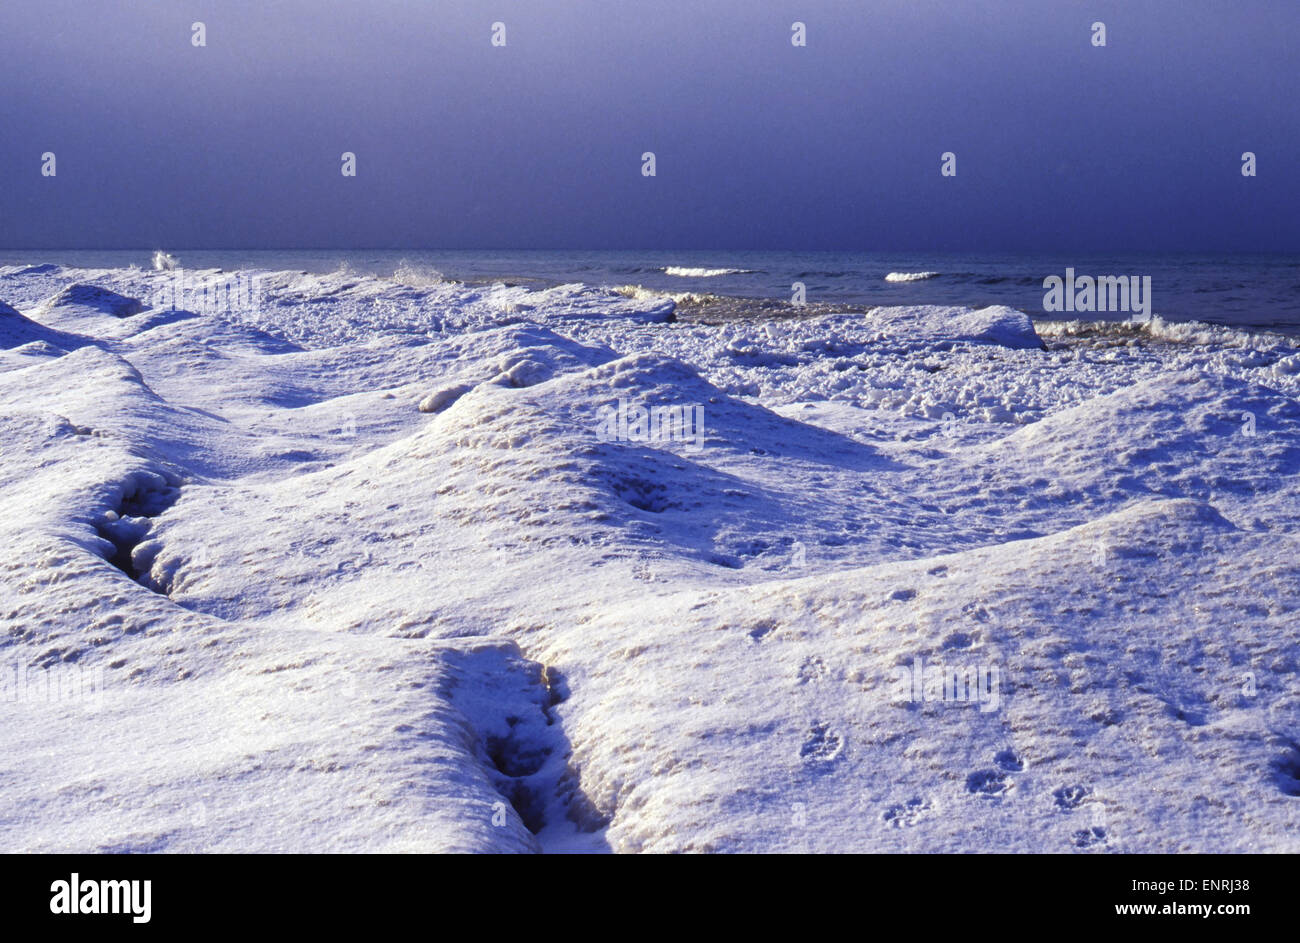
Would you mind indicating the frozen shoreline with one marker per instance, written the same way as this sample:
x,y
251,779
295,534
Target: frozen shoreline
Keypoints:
x,y
388,587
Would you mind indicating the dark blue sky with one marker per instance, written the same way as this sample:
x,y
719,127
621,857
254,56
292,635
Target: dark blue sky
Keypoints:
x,y
759,144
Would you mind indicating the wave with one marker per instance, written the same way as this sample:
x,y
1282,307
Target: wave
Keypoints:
x,y
910,276
164,262
1193,333
686,272
641,293
637,292
417,276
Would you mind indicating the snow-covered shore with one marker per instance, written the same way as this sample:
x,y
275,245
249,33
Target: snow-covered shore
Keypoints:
x,y
341,563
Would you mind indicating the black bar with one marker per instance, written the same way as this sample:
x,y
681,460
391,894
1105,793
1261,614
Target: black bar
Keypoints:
x,y
976,892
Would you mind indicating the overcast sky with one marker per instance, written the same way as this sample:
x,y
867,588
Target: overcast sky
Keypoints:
x,y
459,144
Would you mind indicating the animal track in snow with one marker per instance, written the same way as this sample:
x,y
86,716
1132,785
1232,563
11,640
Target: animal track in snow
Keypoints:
x,y
988,782
822,745
1286,769
1088,837
812,669
1009,761
1069,798
907,814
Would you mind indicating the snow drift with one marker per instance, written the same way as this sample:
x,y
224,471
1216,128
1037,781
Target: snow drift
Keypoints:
x,y
356,565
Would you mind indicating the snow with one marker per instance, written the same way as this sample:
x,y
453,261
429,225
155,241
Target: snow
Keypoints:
x,y
349,564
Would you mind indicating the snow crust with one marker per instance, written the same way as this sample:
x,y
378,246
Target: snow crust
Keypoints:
x,y
348,565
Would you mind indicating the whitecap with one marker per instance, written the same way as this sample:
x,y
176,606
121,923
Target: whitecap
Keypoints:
x,y
681,271
909,276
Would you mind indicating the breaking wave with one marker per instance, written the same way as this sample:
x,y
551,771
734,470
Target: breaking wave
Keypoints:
x,y
681,271
910,276
417,276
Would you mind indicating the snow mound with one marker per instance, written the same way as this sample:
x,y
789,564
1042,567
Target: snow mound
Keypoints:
x,y
16,330
938,324
1000,325
45,268
1186,433
96,298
